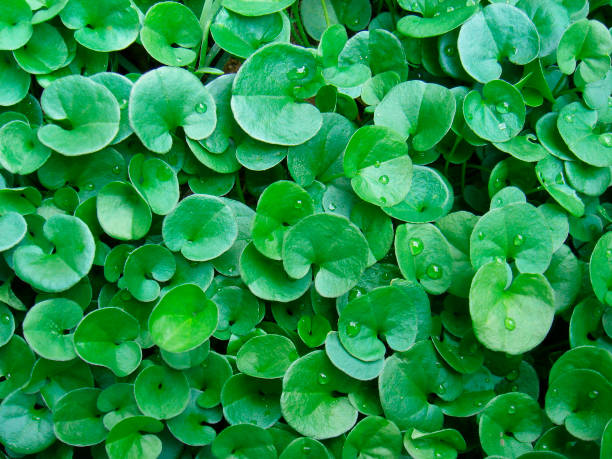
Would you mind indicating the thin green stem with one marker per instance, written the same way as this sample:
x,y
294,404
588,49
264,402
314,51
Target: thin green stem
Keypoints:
x,y
463,169
209,11
295,10
391,8
480,168
127,64
559,84
535,190
325,12
210,56
238,188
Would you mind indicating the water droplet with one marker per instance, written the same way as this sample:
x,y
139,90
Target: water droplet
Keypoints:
x,y
502,107
230,269
502,126
355,21
509,324
478,403
123,103
415,245
377,164
434,271
480,235
470,3
499,259
355,293
441,389
518,240
8,376
450,50
436,14
569,118
511,409
201,108
609,254
383,179
593,394
6,318
353,328
298,73
116,169
298,204
306,450
559,179
323,379
36,418
512,375
90,186
605,140
450,9
383,200
331,206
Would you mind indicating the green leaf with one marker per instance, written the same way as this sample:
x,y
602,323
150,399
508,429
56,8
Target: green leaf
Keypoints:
x,y
65,256
509,423
516,232
243,35
496,115
271,109
599,268
13,228
248,400
133,437
78,130
48,326
160,392
340,263
45,52
186,103
122,212
510,314
16,361
496,32
308,403
242,442
588,42
579,129
280,206
349,364
189,427
20,150
106,337
14,82
102,26
25,426
374,436
193,228
183,319
398,313
169,33
377,162
267,356
444,443
423,111
405,385
144,268
16,25
256,7
76,418
435,18
355,14
267,278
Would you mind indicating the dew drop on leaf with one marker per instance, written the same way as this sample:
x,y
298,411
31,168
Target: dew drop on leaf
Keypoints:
x,y
609,254
450,9
511,409
90,186
499,259
297,73
518,240
331,206
353,328
441,389
502,107
384,179
415,245
377,164
502,126
434,271
450,50
512,375
593,394
6,318
509,323
298,204
323,379
569,118
480,235
116,169
201,108
606,140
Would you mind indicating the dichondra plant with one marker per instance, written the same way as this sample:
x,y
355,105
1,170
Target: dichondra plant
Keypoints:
x,y
290,229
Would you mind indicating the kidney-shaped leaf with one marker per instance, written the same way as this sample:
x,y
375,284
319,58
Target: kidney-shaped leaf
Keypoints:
x,y
436,18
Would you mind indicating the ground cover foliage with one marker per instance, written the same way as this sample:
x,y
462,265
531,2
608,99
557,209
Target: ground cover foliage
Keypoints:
x,y
297,229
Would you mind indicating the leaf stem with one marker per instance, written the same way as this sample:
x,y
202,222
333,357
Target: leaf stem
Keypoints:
x,y
295,10
325,12
209,11
238,188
